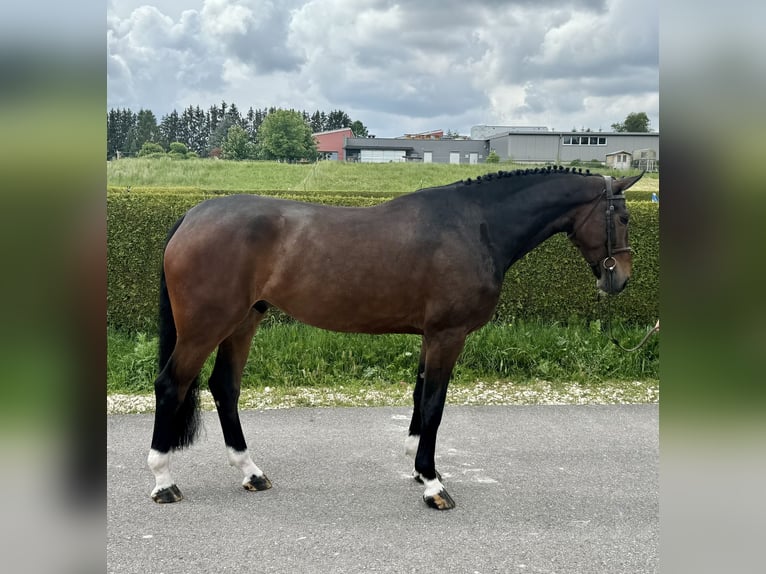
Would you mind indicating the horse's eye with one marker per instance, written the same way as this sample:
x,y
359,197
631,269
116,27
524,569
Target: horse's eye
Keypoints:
x,y
624,219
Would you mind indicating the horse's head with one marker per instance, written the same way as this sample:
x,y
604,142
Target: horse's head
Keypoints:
x,y
600,232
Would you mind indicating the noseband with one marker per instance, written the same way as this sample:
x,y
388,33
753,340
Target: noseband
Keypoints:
x,y
609,262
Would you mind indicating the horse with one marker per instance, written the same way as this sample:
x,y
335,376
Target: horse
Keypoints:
x,y
429,263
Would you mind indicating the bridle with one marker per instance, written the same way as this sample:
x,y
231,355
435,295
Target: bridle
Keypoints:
x,y
609,263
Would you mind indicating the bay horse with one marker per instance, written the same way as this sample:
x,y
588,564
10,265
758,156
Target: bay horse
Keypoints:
x,y
430,263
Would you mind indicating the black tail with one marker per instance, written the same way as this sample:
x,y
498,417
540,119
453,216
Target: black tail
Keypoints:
x,y
186,419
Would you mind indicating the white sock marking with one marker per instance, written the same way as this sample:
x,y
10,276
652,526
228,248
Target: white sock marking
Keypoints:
x,y
242,460
159,463
433,487
411,445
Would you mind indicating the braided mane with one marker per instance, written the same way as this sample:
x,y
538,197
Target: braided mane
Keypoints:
x,y
523,172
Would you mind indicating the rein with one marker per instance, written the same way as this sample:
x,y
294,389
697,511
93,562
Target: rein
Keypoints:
x,y
609,263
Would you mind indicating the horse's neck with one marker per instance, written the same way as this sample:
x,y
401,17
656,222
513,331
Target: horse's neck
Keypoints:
x,y
525,218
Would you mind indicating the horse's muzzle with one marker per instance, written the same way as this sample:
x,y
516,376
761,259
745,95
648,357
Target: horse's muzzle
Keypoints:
x,y
612,282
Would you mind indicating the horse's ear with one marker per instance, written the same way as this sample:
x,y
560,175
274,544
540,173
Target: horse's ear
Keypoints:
x,y
626,182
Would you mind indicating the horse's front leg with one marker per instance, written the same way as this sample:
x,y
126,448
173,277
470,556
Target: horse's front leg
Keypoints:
x,y
442,351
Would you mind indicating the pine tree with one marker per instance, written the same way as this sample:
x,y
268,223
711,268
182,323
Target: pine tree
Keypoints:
x,y
146,127
170,129
201,131
336,120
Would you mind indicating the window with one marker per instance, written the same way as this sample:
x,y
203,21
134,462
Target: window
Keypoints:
x,y
583,140
382,155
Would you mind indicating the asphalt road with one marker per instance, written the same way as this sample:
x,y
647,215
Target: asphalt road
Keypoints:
x,y
564,489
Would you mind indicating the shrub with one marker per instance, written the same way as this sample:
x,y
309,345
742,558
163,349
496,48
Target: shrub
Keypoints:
x,y
178,147
150,149
552,283
492,157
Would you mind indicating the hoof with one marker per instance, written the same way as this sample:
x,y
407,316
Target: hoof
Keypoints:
x,y
440,501
257,483
167,495
419,477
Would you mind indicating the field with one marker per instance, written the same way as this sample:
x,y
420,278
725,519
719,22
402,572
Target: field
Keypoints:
x,y
222,175
295,364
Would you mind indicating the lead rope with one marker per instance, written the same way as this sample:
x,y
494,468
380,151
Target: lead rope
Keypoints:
x,y
614,340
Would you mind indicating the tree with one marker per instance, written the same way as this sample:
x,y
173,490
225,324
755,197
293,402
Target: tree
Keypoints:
x,y
194,130
359,129
221,132
170,128
285,136
146,127
336,120
250,126
492,157
634,122
205,131
233,115
237,145
120,131
317,124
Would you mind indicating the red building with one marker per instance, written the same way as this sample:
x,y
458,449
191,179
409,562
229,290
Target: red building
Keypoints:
x,y
330,145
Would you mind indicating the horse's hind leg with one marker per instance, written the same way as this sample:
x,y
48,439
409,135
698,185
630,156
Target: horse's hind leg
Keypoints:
x,y
176,416
225,384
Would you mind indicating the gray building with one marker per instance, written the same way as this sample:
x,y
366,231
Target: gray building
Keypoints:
x,y
565,147
532,145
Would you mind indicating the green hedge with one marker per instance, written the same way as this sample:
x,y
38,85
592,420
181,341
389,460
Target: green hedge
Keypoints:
x,y
640,195
554,283
551,283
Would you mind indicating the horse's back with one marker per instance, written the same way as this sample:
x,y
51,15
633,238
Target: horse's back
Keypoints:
x,y
371,269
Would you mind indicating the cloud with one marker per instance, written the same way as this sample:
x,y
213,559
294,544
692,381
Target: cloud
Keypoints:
x,y
252,31
151,59
409,66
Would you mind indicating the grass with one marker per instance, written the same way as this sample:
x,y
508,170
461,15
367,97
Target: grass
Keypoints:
x,y
223,175
292,364
290,359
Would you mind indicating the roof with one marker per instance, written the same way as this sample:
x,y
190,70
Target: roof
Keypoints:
x,y
332,132
568,133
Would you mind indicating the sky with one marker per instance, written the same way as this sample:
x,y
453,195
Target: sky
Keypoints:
x,y
398,67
